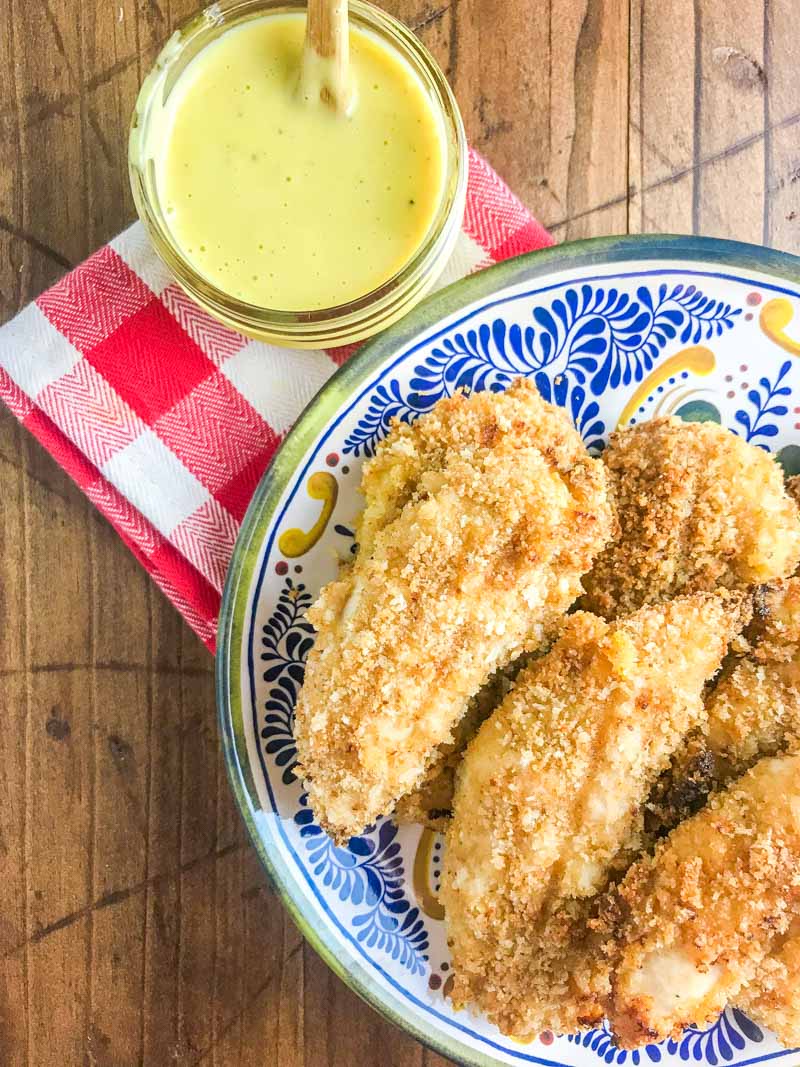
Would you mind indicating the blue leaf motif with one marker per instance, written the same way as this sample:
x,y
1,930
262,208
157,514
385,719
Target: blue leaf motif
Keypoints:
x,y
713,1045
369,874
360,846
747,1027
761,399
286,640
587,337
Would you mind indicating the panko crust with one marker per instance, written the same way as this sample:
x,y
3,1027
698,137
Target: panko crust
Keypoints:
x,y
753,710
702,914
772,999
550,795
392,477
475,566
698,508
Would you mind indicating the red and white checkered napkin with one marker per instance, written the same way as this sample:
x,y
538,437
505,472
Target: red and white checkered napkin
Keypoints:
x,y
167,419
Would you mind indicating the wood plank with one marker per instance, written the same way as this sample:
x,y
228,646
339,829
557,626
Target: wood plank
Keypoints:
x,y
662,116
14,1015
782,121
47,73
121,588
730,108
113,1030
108,42
230,949
121,752
13,601
548,104
274,982
594,174
59,599
229,946
366,1033
697,141
16,244
58,998
161,933
501,100
59,862
198,840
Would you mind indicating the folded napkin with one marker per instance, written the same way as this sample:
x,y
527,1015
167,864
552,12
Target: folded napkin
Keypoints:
x,y
165,418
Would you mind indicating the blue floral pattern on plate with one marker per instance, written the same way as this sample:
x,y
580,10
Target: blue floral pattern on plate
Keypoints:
x,y
584,341
716,1044
765,408
609,346
369,872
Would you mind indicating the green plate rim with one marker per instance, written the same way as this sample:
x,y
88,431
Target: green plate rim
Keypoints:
x,y
598,252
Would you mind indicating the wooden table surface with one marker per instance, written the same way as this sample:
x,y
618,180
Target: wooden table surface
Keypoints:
x,y
136,926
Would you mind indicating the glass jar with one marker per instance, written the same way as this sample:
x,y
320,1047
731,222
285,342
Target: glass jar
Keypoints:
x,y
327,327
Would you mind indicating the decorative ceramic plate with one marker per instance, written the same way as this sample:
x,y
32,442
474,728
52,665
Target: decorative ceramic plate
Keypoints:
x,y
615,330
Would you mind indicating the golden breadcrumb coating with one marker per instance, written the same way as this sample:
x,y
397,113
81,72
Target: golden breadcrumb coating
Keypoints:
x,y
757,712
753,710
473,569
431,802
765,685
698,508
793,488
550,793
391,478
702,913
773,997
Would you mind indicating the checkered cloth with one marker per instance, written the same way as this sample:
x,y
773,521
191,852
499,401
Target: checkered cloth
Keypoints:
x,y
165,418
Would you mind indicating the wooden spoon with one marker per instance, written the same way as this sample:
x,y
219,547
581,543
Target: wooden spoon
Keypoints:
x,y
326,55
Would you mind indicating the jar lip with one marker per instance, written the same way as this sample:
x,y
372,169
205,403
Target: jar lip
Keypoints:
x,y
254,318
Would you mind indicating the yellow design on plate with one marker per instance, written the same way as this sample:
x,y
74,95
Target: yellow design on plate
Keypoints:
x,y
775,316
426,898
698,359
295,542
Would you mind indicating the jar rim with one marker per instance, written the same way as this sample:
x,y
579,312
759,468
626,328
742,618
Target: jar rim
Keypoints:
x,y
367,313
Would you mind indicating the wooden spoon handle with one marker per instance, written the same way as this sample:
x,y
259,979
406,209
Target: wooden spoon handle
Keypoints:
x,y
326,63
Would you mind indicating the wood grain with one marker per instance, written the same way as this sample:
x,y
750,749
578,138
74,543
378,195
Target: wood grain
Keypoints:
x,y
136,926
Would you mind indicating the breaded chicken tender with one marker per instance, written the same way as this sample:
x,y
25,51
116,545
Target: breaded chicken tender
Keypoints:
x,y
753,710
703,913
763,684
549,797
473,563
698,508
412,450
772,999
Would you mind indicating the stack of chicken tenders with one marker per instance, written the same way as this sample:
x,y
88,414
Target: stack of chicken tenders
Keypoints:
x,y
585,672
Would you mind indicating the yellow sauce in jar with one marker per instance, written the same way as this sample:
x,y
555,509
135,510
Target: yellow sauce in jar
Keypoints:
x,y
282,202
